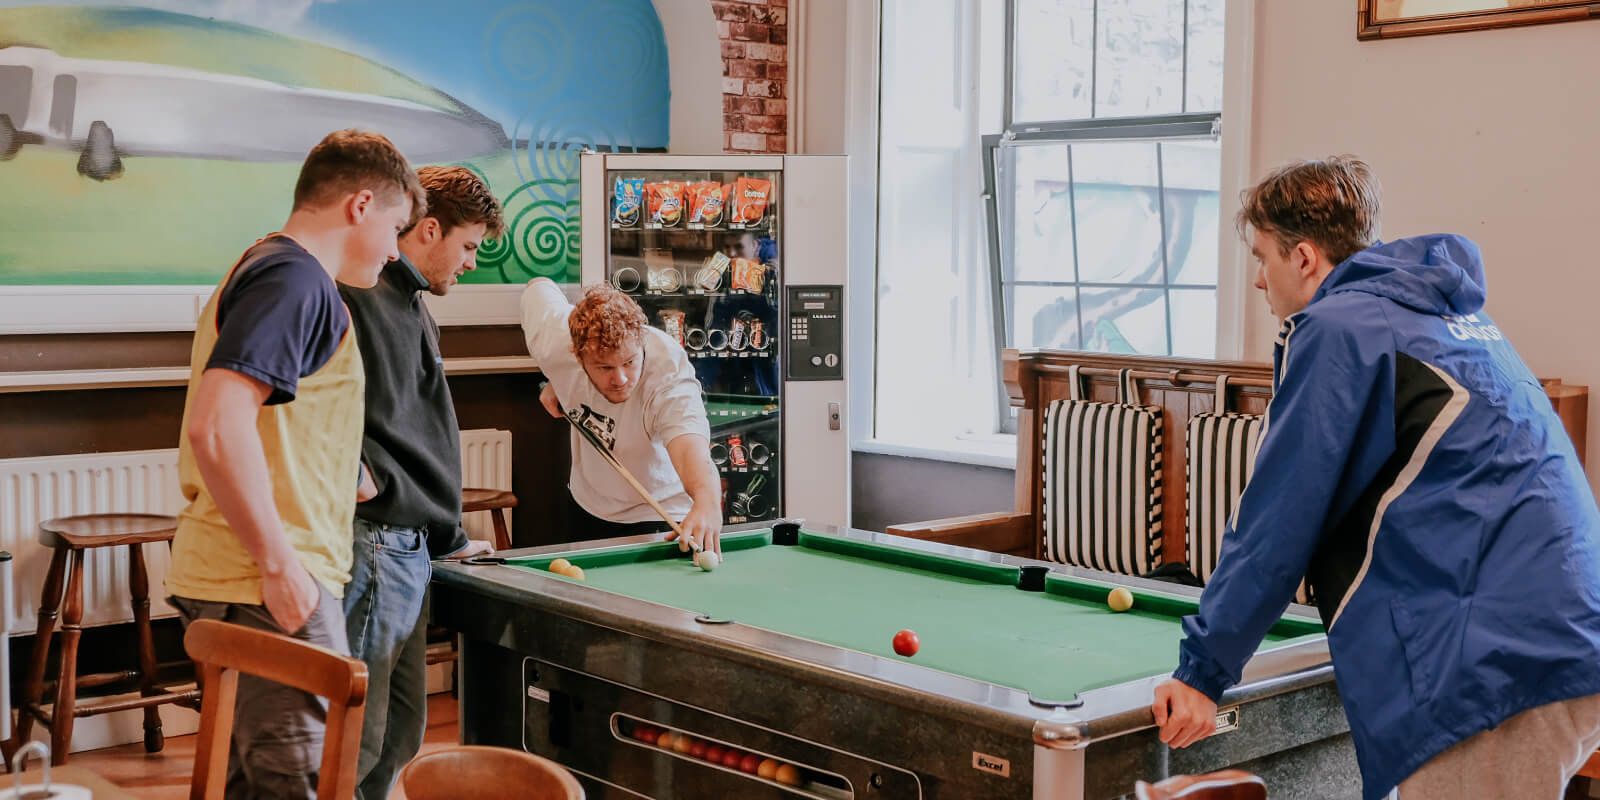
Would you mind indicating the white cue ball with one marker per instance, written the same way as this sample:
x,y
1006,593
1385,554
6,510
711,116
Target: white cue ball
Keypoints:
x,y
708,560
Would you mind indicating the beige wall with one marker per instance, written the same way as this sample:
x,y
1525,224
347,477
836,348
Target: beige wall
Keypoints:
x,y
1491,134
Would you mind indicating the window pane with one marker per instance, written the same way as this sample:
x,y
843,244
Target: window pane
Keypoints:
x,y
1190,172
1053,54
1194,323
1139,52
1205,56
1125,320
1119,226
1045,316
1041,236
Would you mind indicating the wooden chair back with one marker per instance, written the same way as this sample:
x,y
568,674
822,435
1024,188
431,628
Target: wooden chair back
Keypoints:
x,y
487,773
221,651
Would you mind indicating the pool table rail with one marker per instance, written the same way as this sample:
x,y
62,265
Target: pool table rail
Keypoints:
x,y
1092,716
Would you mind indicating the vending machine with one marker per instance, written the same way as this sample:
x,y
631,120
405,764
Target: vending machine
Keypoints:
x,y
741,259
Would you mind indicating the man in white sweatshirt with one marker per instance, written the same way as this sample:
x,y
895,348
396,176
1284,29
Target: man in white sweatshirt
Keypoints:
x,y
632,386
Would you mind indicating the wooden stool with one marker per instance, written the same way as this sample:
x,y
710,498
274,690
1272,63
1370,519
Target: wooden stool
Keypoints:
x,y
69,537
494,501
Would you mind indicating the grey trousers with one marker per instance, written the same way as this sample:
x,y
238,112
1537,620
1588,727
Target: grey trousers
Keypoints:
x,y
1533,755
277,731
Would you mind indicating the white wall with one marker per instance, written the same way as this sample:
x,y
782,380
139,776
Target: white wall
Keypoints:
x,y
694,59
1491,134
822,29
838,108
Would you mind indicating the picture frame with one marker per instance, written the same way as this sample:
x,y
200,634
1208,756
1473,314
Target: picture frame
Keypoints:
x,y
1389,19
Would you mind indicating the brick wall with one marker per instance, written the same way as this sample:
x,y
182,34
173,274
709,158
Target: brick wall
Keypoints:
x,y
755,68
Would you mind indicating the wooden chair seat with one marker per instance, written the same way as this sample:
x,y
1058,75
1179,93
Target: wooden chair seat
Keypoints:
x,y
1228,784
89,531
487,773
495,501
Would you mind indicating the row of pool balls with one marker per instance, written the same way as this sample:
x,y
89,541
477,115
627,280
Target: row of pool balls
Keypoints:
x,y
712,753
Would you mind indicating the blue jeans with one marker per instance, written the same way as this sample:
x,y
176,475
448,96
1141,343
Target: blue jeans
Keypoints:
x,y
385,606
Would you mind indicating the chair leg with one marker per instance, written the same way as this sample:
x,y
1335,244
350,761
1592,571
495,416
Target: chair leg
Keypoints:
x,y
33,685
139,590
502,537
61,716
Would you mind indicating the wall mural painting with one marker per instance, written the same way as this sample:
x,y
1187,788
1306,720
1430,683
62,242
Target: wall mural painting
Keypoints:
x,y
151,143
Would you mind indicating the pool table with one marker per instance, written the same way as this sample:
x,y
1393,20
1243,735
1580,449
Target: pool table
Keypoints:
x,y
1026,684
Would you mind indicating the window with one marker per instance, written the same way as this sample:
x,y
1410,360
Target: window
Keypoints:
x,y
1048,175
934,372
1103,185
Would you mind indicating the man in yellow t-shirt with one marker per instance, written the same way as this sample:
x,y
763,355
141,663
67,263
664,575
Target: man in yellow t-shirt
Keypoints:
x,y
270,456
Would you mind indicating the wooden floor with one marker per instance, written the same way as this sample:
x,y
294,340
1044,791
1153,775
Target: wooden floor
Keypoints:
x,y
165,775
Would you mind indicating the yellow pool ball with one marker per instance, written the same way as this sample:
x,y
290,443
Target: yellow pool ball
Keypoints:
x,y
559,566
768,768
1120,599
575,572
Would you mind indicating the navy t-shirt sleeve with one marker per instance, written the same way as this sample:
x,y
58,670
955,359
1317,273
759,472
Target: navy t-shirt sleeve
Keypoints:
x,y
278,321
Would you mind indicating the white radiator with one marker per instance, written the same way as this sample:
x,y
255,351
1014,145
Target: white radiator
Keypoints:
x,y
485,464
37,489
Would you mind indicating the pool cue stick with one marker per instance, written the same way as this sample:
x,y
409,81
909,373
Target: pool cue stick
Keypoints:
x,y
611,458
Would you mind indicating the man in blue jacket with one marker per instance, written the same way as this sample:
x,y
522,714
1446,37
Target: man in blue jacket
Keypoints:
x,y
1413,470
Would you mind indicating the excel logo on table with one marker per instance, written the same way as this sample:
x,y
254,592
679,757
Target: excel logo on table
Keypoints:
x,y
994,765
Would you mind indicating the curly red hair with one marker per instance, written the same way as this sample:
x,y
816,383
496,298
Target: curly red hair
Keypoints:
x,y
605,319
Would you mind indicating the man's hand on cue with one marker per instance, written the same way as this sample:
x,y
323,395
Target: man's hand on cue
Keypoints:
x,y
704,526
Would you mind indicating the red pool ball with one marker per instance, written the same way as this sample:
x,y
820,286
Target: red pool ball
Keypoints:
x,y
648,735
714,753
698,749
749,762
731,758
906,643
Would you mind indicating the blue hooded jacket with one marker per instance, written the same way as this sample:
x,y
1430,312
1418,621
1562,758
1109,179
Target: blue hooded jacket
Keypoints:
x,y
1413,469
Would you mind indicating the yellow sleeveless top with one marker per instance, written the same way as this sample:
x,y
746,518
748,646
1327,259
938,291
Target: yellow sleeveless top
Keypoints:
x,y
313,447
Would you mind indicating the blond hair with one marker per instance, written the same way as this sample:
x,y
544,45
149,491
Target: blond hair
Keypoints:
x,y
605,319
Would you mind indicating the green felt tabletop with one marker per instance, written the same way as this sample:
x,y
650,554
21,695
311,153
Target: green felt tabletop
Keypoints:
x,y
971,618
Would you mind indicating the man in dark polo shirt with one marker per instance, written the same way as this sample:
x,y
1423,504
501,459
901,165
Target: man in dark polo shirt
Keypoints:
x,y
411,449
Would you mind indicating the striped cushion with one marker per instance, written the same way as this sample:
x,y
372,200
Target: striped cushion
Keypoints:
x,y
1102,482
1222,455
1221,451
